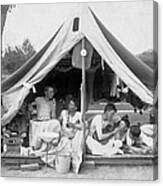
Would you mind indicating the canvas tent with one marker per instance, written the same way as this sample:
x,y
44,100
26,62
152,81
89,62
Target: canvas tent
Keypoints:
x,y
137,75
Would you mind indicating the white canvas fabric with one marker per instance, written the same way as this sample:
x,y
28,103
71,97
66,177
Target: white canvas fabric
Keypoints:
x,y
63,42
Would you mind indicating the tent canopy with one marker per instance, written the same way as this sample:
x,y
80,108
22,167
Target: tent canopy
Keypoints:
x,y
135,74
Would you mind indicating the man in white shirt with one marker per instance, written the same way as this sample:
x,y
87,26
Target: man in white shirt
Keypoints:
x,y
104,127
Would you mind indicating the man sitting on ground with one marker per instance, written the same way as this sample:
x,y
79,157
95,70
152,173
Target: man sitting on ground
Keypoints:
x,y
103,129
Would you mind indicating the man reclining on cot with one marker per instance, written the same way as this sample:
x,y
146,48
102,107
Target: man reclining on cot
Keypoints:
x,y
46,117
141,139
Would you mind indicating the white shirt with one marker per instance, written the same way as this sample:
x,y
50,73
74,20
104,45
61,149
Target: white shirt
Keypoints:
x,y
98,124
65,118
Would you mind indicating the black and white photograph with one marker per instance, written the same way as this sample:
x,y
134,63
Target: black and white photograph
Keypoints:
x,y
79,90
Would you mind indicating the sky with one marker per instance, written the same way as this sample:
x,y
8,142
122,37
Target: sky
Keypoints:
x,y
130,22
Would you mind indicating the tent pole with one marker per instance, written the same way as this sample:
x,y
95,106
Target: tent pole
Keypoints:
x,y
83,93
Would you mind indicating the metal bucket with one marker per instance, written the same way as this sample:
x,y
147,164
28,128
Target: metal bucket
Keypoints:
x,y
63,163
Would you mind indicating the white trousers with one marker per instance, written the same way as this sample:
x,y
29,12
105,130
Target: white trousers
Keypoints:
x,y
37,127
96,148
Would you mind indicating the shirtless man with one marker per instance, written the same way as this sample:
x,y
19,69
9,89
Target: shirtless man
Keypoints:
x,y
46,116
46,106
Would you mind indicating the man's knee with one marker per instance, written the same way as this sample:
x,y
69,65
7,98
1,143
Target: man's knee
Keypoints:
x,y
56,125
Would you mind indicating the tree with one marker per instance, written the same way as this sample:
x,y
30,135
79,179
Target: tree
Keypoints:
x,y
15,57
149,57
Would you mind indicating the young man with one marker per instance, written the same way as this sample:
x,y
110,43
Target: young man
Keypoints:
x,y
102,131
46,117
46,106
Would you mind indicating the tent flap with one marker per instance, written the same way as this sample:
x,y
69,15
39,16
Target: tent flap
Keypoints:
x,y
107,52
140,69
